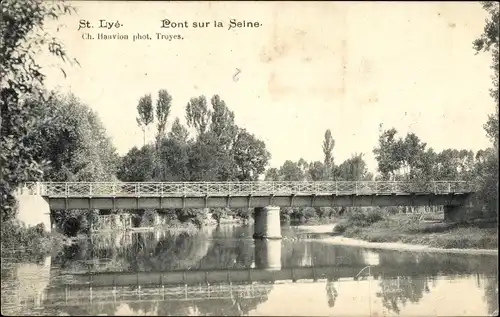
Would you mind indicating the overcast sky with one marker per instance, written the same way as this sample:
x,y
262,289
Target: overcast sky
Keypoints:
x,y
311,66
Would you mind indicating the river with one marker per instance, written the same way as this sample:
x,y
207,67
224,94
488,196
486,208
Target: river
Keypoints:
x,y
223,271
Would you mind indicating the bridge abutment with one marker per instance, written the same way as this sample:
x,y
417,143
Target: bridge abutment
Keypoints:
x,y
459,213
33,210
267,223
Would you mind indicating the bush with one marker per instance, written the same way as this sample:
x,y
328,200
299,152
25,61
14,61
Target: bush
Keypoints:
x,y
364,218
16,237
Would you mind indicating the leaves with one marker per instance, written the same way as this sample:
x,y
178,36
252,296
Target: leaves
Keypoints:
x,y
328,145
250,155
163,105
146,115
23,38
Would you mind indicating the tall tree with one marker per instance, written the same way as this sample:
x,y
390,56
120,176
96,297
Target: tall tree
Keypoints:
x,y
163,105
146,114
328,145
222,125
198,115
23,38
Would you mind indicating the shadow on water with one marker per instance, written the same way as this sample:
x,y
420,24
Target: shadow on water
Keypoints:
x,y
395,282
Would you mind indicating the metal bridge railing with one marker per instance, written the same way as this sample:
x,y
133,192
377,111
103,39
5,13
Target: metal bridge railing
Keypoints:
x,y
193,189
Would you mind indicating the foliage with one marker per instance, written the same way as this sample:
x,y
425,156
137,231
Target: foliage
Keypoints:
x,y
329,163
163,105
32,241
399,158
250,156
488,41
360,217
73,140
178,132
146,114
23,37
198,115
137,165
408,159
353,169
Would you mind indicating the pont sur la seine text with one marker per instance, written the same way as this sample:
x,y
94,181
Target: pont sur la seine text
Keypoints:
x,y
233,24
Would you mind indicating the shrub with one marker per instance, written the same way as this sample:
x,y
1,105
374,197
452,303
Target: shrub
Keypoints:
x,y
16,237
364,218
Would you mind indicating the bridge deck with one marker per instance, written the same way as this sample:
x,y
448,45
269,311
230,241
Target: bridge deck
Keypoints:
x,y
258,188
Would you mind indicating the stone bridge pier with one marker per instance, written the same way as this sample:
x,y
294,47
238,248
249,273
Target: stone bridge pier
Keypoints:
x,y
267,223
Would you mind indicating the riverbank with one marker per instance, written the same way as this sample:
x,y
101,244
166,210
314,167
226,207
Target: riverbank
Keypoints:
x,y
395,235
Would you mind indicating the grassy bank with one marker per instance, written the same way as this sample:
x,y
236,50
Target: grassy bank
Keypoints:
x,y
374,226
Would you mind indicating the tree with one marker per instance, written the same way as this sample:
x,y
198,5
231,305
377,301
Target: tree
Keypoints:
x,y
250,155
488,42
353,169
146,115
198,115
23,38
272,174
385,154
178,132
222,125
328,145
163,105
137,165
74,143
411,150
291,171
203,156
174,159
318,171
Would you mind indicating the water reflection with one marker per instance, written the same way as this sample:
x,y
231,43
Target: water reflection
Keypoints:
x,y
223,271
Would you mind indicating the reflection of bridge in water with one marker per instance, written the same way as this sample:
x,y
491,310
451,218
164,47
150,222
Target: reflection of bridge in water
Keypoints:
x,y
208,277
69,296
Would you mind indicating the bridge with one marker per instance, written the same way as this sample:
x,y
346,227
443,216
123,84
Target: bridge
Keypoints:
x,y
266,197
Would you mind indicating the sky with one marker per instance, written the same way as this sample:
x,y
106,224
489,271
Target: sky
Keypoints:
x,y
311,66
